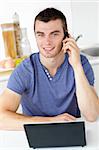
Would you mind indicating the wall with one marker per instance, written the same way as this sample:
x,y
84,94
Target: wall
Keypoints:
x,y
85,21
27,10
98,22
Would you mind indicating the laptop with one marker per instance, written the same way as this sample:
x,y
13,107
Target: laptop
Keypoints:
x,y
48,135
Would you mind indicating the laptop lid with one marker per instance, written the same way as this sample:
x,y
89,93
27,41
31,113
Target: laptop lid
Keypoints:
x,y
47,135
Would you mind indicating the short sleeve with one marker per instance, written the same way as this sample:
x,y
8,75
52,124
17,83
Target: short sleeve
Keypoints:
x,y
88,70
19,80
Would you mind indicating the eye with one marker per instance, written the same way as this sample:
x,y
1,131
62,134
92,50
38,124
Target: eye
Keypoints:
x,y
55,34
40,35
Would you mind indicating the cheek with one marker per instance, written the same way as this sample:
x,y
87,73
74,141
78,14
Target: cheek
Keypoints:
x,y
39,43
59,43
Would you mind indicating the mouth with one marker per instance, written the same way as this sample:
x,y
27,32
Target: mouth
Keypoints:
x,y
48,49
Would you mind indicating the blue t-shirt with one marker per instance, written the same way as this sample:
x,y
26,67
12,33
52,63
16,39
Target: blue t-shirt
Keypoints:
x,y
43,95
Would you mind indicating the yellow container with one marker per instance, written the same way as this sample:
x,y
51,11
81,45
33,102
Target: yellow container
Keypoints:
x,y
8,33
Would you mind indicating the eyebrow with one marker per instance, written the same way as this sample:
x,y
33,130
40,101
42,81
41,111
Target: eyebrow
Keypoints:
x,y
56,31
39,32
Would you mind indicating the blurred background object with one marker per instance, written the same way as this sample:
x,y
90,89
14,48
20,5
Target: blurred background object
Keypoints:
x,y
7,63
8,33
24,43
78,37
16,42
16,22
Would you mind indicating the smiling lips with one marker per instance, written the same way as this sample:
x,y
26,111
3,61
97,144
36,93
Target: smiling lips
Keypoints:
x,y
48,49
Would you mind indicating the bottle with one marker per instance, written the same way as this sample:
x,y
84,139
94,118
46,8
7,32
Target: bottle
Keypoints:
x,y
8,33
17,33
25,44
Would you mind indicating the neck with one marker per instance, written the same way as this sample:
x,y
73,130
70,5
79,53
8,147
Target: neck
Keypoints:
x,y
52,64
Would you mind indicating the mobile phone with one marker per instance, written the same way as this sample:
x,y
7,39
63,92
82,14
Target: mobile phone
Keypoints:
x,y
66,35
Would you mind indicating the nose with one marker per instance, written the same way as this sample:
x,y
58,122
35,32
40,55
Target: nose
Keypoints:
x,y
47,40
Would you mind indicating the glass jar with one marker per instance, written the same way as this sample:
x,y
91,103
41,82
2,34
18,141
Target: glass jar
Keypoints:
x,y
8,33
25,44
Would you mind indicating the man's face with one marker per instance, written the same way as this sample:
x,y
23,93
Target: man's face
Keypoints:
x,y
49,37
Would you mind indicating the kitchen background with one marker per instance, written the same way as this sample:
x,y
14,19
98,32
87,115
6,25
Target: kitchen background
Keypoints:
x,y
82,19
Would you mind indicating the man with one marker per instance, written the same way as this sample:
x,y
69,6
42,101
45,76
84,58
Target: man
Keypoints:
x,y
55,84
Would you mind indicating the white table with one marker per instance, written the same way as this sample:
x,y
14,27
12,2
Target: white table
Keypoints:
x,y
16,140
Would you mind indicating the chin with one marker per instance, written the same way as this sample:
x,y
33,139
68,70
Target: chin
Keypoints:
x,y
49,55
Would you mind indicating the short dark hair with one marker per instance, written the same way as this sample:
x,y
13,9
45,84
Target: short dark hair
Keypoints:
x,y
49,14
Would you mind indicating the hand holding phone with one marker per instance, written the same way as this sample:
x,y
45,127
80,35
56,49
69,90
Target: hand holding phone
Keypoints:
x,y
70,47
66,35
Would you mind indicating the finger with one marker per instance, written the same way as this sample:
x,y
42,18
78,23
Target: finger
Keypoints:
x,y
67,118
70,116
70,35
73,45
69,40
69,48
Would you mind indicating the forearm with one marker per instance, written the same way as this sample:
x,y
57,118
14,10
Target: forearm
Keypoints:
x,y
14,121
87,98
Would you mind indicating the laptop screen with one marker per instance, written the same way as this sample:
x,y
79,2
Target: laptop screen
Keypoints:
x,y
55,134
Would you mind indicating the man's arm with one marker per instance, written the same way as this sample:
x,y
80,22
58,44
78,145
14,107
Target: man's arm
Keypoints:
x,y
11,120
87,99
86,96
